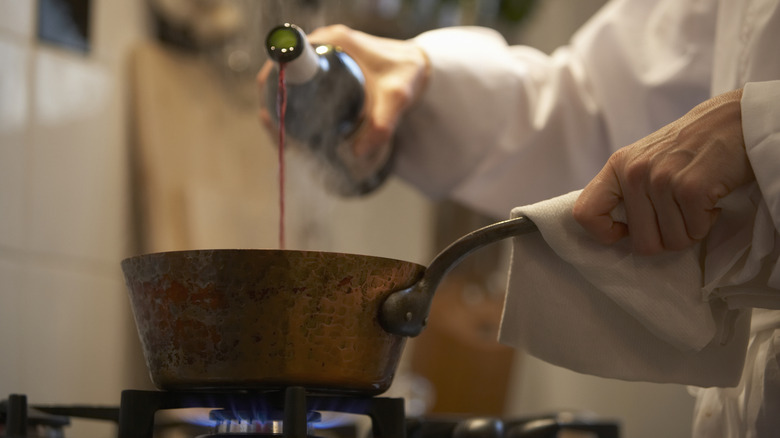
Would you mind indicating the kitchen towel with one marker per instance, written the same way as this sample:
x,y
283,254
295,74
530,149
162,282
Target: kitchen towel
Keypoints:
x,y
605,311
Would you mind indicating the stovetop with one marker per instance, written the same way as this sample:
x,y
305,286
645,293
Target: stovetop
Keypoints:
x,y
291,413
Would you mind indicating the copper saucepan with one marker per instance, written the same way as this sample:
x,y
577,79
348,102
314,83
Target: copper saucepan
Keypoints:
x,y
267,319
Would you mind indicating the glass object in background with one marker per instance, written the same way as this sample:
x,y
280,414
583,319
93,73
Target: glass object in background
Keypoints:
x,y
65,23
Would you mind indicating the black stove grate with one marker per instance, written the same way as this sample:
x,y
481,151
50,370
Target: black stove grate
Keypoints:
x,y
295,408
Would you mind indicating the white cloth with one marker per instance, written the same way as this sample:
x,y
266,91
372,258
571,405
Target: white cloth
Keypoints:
x,y
517,126
668,318
605,311
751,408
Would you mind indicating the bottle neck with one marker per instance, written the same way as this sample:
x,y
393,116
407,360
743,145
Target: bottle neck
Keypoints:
x,y
287,44
303,68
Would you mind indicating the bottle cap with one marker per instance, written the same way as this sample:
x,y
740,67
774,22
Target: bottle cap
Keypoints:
x,y
285,43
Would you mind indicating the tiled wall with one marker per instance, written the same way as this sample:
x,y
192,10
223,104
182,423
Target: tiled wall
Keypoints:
x,y
63,210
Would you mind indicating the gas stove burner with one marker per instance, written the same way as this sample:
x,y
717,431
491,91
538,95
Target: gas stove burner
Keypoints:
x,y
230,415
243,435
289,413
255,423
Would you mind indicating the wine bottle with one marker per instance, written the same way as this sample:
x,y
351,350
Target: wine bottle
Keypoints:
x,y
325,103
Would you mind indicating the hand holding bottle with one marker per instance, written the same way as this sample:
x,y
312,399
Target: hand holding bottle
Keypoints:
x,y
395,73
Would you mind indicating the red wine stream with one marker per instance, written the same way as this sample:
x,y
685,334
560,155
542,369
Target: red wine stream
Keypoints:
x,y
281,109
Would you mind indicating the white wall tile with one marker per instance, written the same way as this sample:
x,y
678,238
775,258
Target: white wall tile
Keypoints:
x,y
14,92
16,17
72,333
69,340
64,314
77,205
13,84
116,26
11,319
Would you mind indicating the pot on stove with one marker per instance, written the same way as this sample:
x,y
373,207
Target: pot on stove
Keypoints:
x,y
269,319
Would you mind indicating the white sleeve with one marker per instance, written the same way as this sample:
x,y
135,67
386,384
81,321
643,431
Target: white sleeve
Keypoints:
x,y
501,126
761,130
741,264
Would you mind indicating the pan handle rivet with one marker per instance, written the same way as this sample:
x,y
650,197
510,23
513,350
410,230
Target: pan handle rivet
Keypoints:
x,y
408,316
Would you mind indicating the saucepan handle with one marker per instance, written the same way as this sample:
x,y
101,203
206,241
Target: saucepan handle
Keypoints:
x,y
405,312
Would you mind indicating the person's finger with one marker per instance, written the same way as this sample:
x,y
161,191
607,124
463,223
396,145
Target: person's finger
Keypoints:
x,y
696,207
267,120
369,139
594,206
324,35
643,227
640,212
262,75
663,179
348,40
382,116
703,185
671,223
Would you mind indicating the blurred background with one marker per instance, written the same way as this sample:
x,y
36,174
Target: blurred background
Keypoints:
x,y
131,126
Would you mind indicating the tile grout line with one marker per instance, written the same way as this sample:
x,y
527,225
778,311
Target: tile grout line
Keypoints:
x,y
29,140
29,134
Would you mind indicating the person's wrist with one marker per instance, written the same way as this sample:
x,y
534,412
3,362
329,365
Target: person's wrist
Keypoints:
x,y
423,68
718,117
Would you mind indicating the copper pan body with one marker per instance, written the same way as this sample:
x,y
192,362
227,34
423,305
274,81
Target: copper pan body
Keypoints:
x,y
266,319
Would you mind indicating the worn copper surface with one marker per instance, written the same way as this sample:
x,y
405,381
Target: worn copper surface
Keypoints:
x,y
266,318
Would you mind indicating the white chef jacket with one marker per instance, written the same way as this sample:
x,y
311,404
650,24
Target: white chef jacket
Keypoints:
x,y
500,126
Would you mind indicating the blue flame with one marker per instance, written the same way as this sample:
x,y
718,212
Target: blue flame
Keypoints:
x,y
331,420
195,416
214,410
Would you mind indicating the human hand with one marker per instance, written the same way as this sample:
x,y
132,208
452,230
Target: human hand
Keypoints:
x,y
671,180
395,72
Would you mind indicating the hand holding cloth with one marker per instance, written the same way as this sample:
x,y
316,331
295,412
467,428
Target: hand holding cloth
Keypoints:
x,y
605,311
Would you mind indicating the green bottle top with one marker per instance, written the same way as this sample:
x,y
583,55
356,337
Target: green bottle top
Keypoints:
x,y
285,43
